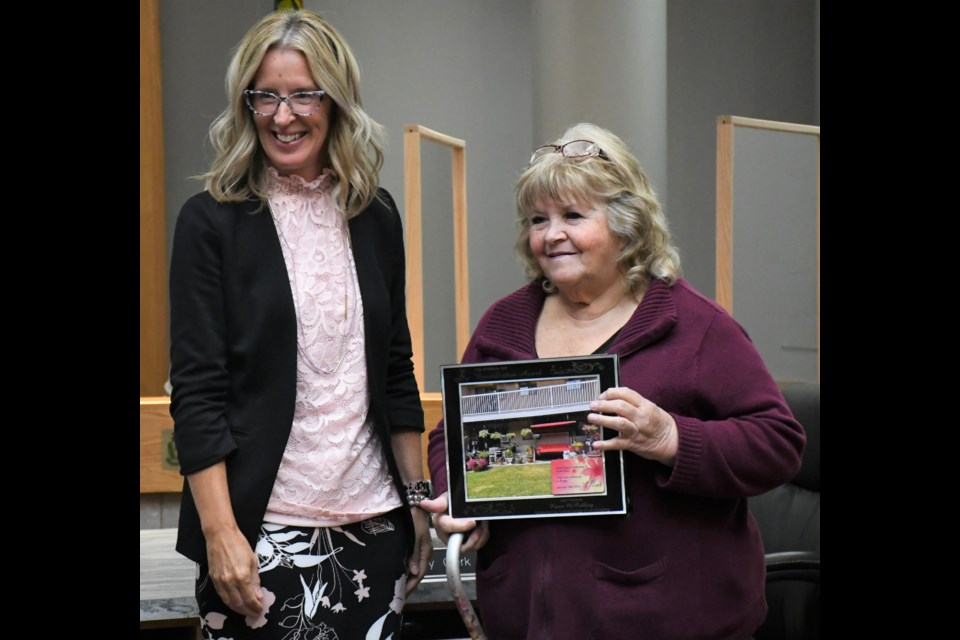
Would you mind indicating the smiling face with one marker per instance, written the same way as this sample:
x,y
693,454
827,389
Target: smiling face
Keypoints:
x,y
574,246
294,144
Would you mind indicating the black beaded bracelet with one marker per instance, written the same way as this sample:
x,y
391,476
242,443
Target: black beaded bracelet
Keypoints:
x,y
417,492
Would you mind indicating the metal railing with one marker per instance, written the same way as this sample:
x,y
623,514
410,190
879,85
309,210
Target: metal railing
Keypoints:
x,y
530,399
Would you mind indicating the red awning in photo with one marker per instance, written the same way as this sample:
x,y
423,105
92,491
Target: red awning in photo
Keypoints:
x,y
544,425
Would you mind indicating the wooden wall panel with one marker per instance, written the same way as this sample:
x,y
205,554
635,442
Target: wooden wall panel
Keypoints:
x,y
153,238
157,474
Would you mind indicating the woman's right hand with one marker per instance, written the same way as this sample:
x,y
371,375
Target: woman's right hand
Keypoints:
x,y
232,565
445,525
235,572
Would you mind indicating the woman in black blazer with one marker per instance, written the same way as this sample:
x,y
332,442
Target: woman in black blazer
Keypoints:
x,y
297,415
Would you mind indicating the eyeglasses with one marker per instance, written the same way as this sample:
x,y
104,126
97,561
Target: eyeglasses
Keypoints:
x,y
572,149
302,103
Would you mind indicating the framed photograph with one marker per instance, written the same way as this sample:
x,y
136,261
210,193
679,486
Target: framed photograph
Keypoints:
x,y
519,444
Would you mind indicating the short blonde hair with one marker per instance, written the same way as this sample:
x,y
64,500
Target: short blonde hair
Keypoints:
x,y
614,180
353,142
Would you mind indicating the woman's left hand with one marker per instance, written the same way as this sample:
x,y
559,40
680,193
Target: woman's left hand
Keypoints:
x,y
422,549
644,428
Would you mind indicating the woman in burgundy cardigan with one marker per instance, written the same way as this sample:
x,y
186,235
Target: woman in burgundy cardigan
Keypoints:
x,y
702,422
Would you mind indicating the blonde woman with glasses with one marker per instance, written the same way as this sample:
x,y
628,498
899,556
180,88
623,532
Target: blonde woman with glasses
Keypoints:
x,y
297,415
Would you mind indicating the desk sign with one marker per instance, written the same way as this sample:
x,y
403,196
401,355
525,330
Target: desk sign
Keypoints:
x,y
437,565
519,444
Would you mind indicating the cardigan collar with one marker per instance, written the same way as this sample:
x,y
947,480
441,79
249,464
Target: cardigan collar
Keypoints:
x,y
510,331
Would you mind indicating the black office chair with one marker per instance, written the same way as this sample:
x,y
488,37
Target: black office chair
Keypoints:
x,y
789,521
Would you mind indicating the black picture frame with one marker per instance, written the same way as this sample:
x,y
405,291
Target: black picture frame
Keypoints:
x,y
546,403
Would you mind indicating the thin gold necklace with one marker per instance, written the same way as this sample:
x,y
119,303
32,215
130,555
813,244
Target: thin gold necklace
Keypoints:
x,y
348,313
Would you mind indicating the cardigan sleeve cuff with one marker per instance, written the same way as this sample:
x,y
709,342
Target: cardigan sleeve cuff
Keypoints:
x,y
438,473
437,460
689,455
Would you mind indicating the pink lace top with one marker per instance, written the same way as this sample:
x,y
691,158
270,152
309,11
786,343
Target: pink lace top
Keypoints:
x,y
333,470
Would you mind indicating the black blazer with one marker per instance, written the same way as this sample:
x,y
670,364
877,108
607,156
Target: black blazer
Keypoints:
x,y
233,348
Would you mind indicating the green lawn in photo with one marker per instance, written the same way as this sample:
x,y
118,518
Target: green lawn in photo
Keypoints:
x,y
508,481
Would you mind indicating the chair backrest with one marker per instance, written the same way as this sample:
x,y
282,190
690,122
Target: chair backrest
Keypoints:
x,y
789,522
789,516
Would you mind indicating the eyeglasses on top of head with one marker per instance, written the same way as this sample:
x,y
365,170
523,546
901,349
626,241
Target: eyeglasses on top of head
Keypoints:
x,y
572,149
302,103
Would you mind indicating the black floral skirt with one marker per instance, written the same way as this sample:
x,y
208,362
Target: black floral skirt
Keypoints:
x,y
326,583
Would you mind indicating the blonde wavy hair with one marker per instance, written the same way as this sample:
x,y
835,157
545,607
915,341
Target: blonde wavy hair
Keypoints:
x,y
617,182
353,142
